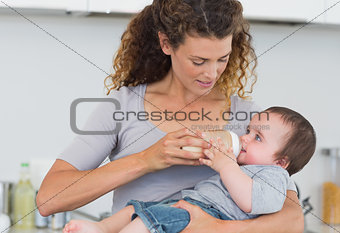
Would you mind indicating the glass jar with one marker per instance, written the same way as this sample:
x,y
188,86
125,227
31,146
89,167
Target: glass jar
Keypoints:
x,y
331,188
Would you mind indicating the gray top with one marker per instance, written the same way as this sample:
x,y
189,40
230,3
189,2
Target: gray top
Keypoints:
x,y
89,151
270,184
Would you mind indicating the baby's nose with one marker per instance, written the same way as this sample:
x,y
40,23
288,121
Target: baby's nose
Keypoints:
x,y
244,138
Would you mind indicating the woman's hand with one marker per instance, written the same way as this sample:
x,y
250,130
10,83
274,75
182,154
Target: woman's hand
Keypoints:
x,y
167,151
201,222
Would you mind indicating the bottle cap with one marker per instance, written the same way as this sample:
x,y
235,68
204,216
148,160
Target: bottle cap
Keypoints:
x,y
24,164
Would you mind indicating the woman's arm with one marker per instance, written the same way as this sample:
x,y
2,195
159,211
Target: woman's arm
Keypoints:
x,y
288,220
66,188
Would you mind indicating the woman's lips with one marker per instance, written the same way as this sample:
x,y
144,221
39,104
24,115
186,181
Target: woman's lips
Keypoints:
x,y
204,84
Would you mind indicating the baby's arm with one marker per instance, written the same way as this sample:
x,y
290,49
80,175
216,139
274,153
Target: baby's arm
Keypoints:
x,y
260,192
239,184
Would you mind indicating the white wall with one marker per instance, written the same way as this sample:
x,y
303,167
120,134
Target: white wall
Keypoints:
x,y
40,77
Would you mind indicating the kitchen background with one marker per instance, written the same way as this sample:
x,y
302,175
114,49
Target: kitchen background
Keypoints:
x,y
40,76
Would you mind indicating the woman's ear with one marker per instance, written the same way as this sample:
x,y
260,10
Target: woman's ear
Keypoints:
x,y
283,162
164,43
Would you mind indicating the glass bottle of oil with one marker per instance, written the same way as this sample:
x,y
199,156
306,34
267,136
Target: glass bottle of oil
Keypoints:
x,y
331,188
24,196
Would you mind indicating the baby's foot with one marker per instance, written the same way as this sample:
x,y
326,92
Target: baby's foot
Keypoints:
x,y
82,226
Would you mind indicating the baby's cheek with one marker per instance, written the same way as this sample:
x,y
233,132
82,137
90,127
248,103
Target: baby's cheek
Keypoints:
x,y
251,160
247,159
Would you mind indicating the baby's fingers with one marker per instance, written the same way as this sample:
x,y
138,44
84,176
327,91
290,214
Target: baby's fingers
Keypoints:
x,y
208,153
221,144
206,162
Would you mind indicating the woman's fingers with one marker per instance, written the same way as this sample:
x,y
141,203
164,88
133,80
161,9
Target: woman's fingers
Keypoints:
x,y
183,154
192,209
200,221
185,132
180,161
191,141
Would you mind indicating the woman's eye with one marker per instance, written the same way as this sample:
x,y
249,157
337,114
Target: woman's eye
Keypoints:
x,y
224,60
198,63
257,138
248,131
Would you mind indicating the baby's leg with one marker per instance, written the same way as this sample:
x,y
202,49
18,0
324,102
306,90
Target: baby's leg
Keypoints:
x,y
136,225
112,224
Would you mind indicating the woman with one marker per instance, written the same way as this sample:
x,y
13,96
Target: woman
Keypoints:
x,y
189,57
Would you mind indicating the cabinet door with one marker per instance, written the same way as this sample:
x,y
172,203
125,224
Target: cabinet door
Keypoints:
x,y
283,10
37,4
77,5
126,6
333,14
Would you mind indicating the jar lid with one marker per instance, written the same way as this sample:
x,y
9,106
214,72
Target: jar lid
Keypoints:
x,y
332,152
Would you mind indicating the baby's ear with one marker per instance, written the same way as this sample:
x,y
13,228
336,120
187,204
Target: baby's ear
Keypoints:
x,y
283,162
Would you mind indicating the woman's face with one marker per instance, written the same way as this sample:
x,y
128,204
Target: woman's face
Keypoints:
x,y
199,62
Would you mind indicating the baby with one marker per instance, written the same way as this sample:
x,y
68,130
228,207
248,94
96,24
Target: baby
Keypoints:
x,y
278,143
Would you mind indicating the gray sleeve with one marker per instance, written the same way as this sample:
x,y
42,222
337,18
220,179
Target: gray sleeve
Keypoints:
x,y
269,190
89,151
292,186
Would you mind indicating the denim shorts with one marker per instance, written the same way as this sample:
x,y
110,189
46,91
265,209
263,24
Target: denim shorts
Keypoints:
x,y
160,217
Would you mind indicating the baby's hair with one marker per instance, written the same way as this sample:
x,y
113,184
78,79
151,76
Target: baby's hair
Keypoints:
x,y
300,142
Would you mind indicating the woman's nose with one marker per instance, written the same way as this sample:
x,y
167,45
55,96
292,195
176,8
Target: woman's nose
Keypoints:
x,y
211,71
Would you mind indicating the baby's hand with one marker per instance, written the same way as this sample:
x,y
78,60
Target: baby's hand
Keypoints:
x,y
218,157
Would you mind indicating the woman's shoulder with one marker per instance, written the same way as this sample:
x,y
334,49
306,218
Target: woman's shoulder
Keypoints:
x,y
126,98
128,92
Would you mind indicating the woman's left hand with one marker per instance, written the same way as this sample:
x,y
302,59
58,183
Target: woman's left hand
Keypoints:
x,y
201,222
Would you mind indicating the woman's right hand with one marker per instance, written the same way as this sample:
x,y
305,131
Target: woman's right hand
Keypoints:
x,y
167,151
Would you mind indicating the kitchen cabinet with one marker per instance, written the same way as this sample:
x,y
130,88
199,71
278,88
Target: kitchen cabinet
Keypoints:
x,y
266,10
287,10
78,5
332,16
126,6
36,4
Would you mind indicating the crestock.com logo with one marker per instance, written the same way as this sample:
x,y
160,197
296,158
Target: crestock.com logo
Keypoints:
x,y
73,116
119,116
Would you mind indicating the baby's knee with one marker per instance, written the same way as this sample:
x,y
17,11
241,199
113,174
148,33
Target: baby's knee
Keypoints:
x,y
129,209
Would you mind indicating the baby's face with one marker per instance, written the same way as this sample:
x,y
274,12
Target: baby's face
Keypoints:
x,y
265,136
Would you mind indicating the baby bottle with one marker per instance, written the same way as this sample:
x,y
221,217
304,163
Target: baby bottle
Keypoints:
x,y
230,139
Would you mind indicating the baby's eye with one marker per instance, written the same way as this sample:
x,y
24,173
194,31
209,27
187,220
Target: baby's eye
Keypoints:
x,y
257,138
248,131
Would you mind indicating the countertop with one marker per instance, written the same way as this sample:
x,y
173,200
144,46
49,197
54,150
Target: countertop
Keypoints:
x,y
323,228
74,215
318,228
36,230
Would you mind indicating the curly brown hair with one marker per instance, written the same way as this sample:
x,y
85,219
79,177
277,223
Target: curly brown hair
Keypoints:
x,y
140,58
